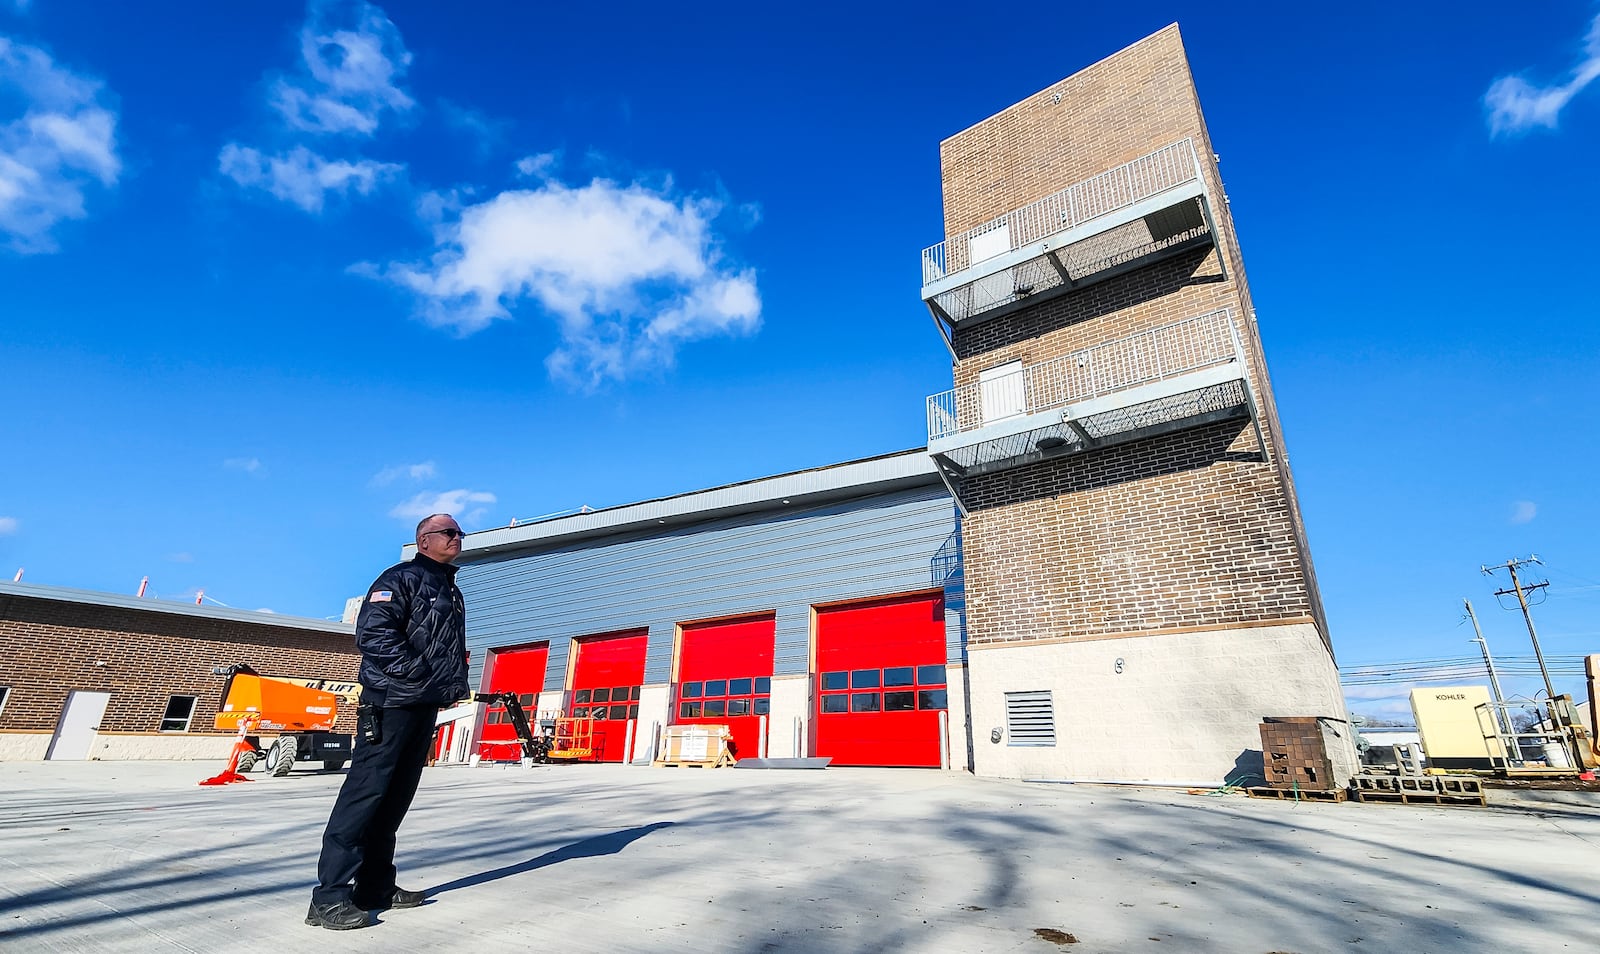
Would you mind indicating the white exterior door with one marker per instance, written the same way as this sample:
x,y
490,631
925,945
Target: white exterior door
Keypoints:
x,y
79,723
1003,391
996,289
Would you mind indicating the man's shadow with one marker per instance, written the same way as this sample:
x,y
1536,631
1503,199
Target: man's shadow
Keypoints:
x,y
607,844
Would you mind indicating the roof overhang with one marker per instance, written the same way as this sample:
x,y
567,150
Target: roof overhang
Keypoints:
x,y
875,475
61,594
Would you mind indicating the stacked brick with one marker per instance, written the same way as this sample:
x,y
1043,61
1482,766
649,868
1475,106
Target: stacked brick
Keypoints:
x,y
1294,755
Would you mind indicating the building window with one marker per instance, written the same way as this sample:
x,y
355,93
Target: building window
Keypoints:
x,y
611,696
724,698
180,709
1030,719
916,687
5,693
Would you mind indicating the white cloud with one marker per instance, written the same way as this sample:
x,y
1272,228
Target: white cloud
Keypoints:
x,y
463,504
389,475
180,557
538,166
435,205
62,142
628,272
352,61
8,526
301,176
1515,105
249,465
1523,511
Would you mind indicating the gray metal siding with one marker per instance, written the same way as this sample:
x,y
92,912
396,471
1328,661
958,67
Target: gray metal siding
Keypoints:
x,y
780,561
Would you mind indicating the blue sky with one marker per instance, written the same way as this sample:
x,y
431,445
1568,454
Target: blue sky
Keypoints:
x,y
275,280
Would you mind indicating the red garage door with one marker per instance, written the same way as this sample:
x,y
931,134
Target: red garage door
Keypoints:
x,y
519,670
605,687
725,678
881,681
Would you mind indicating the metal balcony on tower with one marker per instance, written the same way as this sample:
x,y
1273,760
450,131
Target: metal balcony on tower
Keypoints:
x,y
1175,377
1123,218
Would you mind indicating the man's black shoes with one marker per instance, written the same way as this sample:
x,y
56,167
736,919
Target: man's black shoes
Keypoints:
x,y
338,916
396,898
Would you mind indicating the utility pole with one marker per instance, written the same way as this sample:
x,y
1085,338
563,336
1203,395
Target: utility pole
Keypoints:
x,y
1522,599
1502,718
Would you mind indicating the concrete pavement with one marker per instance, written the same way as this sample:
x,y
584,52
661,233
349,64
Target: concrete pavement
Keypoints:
x,y
134,856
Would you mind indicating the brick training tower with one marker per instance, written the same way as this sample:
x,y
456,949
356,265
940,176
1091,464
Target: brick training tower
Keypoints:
x,y
1139,590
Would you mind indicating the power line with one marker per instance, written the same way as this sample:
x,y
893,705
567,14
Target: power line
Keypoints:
x,y
1521,591
1458,668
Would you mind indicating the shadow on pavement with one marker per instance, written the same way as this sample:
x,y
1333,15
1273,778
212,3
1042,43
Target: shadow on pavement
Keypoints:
x,y
608,844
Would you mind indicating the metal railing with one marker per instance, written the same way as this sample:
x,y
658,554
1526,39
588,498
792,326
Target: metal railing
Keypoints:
x,y
1166,168
1170,350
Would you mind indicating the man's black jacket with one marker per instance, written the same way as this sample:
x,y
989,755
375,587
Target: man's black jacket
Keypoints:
x,y
412,633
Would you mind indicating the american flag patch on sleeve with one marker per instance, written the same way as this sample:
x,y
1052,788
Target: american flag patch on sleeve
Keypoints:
x,y
380,596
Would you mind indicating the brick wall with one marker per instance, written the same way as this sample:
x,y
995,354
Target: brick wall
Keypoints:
x,y
49,648
1189,530
1117,110
1170,532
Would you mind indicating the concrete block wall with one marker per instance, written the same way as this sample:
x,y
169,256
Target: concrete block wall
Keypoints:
x,y
49,648
1177,710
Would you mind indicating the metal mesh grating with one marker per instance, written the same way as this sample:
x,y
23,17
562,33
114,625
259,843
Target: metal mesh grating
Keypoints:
x,y
1012,446
1217,397
1083,260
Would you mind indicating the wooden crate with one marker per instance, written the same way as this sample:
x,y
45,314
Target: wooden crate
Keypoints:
x,y
696,746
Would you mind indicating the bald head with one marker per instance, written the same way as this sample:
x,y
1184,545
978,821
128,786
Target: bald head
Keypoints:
x,y
439,537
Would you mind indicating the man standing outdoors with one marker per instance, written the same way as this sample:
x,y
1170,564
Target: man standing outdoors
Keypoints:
x,y
412,636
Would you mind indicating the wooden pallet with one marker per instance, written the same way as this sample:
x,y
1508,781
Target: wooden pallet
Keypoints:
x,y
1420,798
1298,795
719,763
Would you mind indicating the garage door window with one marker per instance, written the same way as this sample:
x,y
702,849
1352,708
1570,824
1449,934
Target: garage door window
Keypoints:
x,y
722,698
907,689
498,714
612,702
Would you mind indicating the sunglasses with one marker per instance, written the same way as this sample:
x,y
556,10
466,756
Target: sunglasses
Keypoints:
x,y
450,533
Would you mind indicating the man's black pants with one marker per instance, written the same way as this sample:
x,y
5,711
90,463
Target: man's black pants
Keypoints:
x,y
358,845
